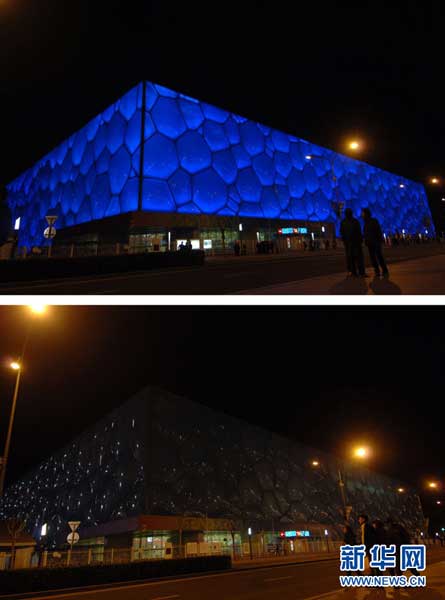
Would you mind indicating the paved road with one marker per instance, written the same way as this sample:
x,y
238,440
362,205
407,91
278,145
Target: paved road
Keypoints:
x,y
420,276
302,581
217,276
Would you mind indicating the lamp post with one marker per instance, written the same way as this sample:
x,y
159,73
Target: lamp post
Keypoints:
x,y
18,368
359,452
36,309
353,146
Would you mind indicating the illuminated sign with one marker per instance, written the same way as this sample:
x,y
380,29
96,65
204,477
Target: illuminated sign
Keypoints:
x,y
293,534
207,244
292,230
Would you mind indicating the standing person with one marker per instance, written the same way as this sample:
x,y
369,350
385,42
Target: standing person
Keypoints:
x,y
367,534
398,536
349,538
374,239
379,532
351,235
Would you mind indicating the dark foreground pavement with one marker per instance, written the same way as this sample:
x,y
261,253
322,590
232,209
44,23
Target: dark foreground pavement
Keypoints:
x,y
305,581
219,275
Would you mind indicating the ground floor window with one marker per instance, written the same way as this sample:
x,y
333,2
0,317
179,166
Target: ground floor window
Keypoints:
x,y
148,242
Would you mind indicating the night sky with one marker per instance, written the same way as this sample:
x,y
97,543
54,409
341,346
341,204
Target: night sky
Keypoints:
x,y
323,376
322,71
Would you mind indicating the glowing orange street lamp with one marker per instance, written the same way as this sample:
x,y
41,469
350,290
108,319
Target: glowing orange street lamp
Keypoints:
x,y
435,180
433,485
315,463
361,452
354,145
401,490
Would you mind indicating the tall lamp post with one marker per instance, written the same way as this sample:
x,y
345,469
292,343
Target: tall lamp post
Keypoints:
x,y
4,461
359,452
36,309
353,146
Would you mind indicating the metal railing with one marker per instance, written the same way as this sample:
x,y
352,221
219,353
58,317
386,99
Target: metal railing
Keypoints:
x,y
244,552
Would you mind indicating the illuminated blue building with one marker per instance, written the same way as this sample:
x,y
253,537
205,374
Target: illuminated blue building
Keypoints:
x,y
158,165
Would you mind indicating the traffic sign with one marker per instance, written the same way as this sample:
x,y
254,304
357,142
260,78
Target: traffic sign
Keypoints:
x,y
50,232
73,525
72,538
51,219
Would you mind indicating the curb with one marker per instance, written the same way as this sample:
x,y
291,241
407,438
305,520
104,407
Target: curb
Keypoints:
x,y
118,584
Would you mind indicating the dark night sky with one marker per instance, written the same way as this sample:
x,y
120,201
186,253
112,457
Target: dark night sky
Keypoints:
x,y
294,370
320,71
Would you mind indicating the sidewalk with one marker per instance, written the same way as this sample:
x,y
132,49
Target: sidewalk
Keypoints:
x,y
423,276
302,557
435,589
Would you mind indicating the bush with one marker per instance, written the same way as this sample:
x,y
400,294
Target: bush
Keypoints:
x,y
43,268
37,580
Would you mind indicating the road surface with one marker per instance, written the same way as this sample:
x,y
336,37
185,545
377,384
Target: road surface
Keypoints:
x,y
300,581
227,275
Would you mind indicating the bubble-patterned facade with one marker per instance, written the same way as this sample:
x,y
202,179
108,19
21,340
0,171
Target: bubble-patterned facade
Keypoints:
x,y
159,151
160,454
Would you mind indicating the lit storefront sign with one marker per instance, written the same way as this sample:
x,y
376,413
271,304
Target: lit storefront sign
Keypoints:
x,y
293,231
207,244
295,534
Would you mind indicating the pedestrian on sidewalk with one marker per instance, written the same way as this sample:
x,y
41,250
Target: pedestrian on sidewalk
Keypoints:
x,y
351,235
349,538
374,239
367,535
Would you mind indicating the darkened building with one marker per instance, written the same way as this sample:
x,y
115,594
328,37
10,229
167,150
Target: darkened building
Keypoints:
x,y
159,454
158,167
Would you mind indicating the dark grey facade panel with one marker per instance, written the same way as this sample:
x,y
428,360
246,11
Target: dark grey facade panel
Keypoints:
x,y
162,454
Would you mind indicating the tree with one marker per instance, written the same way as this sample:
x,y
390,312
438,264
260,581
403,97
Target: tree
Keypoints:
x,y
14,526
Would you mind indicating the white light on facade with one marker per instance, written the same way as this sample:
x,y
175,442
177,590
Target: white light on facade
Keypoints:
x,y
17,224
308,157
326,532
249,531
44,529
240,226
323,229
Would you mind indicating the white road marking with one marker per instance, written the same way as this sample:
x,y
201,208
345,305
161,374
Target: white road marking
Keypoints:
x,y
280,578
191,578
334,593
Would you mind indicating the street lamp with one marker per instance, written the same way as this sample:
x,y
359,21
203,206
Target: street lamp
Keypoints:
x,y
35,309
354,145
15,366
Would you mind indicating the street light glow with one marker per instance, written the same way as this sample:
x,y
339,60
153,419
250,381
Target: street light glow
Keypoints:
x,y
401,490
15,365
354,145
37,309
315,463
432,485
434,180
361,452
